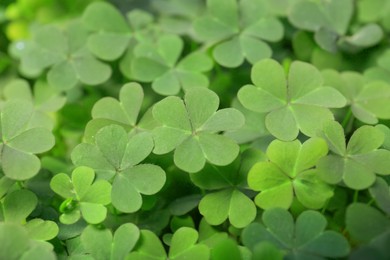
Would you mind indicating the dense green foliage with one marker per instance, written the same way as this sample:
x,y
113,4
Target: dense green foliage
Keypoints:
x,y
195,129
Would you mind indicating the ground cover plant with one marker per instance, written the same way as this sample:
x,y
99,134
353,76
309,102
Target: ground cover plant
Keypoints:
x,y
195,129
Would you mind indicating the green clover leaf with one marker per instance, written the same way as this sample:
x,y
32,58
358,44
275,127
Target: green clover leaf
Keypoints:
x,y
357,163
368,100
289,173
364,223
374,11
228,198
15,244
304,239
159,63
192,131
101,244
123,112
45,99
239,30
21,140
183,246
380,191
114,156
298,103
381,71
85,197
18,205
63,52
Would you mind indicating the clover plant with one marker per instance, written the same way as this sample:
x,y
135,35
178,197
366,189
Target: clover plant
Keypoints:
x,y
194,129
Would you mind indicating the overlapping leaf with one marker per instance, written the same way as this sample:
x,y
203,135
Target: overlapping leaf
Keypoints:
x,y
368,100
289,173
101,244
357,163
369,11
85,197
21,140
191,128
228,199
304,239
17,207
381,71
114,156
239,30
298,103
123,112
45,100
64,54
160,64
183,246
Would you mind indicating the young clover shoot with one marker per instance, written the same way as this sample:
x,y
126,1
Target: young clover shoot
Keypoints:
x,y
289,173
115,157
123,112
191,128
85,196
183,246
304,239
368,99
21,138
297,102
160,64
239,30
64,54
357,163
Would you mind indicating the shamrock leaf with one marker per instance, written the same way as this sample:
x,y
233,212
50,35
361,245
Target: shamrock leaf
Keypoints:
x,y
115,156
357,163
183,246
304,239
63,52
84,196
374,11
380,191
159,63
365,223
381,71
45,99
368,100
239,30
193,130
101,244
18,205
298,103
123,112
228,199
21,140
111,32
289,173
15,244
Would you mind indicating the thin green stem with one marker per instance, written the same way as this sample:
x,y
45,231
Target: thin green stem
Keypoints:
x,y
356,196
347,118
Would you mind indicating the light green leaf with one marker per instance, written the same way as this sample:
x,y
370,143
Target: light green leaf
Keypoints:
x,y
148,247
62,185
97,242
325,97
124,196
178,120
167,84
249,97
18,205
147,179
13,241
334,135
364,140
39,229
183,245
227,119
218,149
62,76
125,239
228,53
82,178
18,165
93,213
282,124
108,46
189,155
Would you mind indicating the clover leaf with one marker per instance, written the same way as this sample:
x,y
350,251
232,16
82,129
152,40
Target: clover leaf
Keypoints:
x,y
368,101
84,196
304,239
289,173
298,103
116,157
123,112
63,52
101,244
15,244
239,30
45,99
357,163
159,63
20,140
374,11
364,223
17,207
381,71
380,191
183,246
228,198
192,132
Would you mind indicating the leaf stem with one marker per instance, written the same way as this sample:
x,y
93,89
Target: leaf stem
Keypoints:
x,y
347,118
356,196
